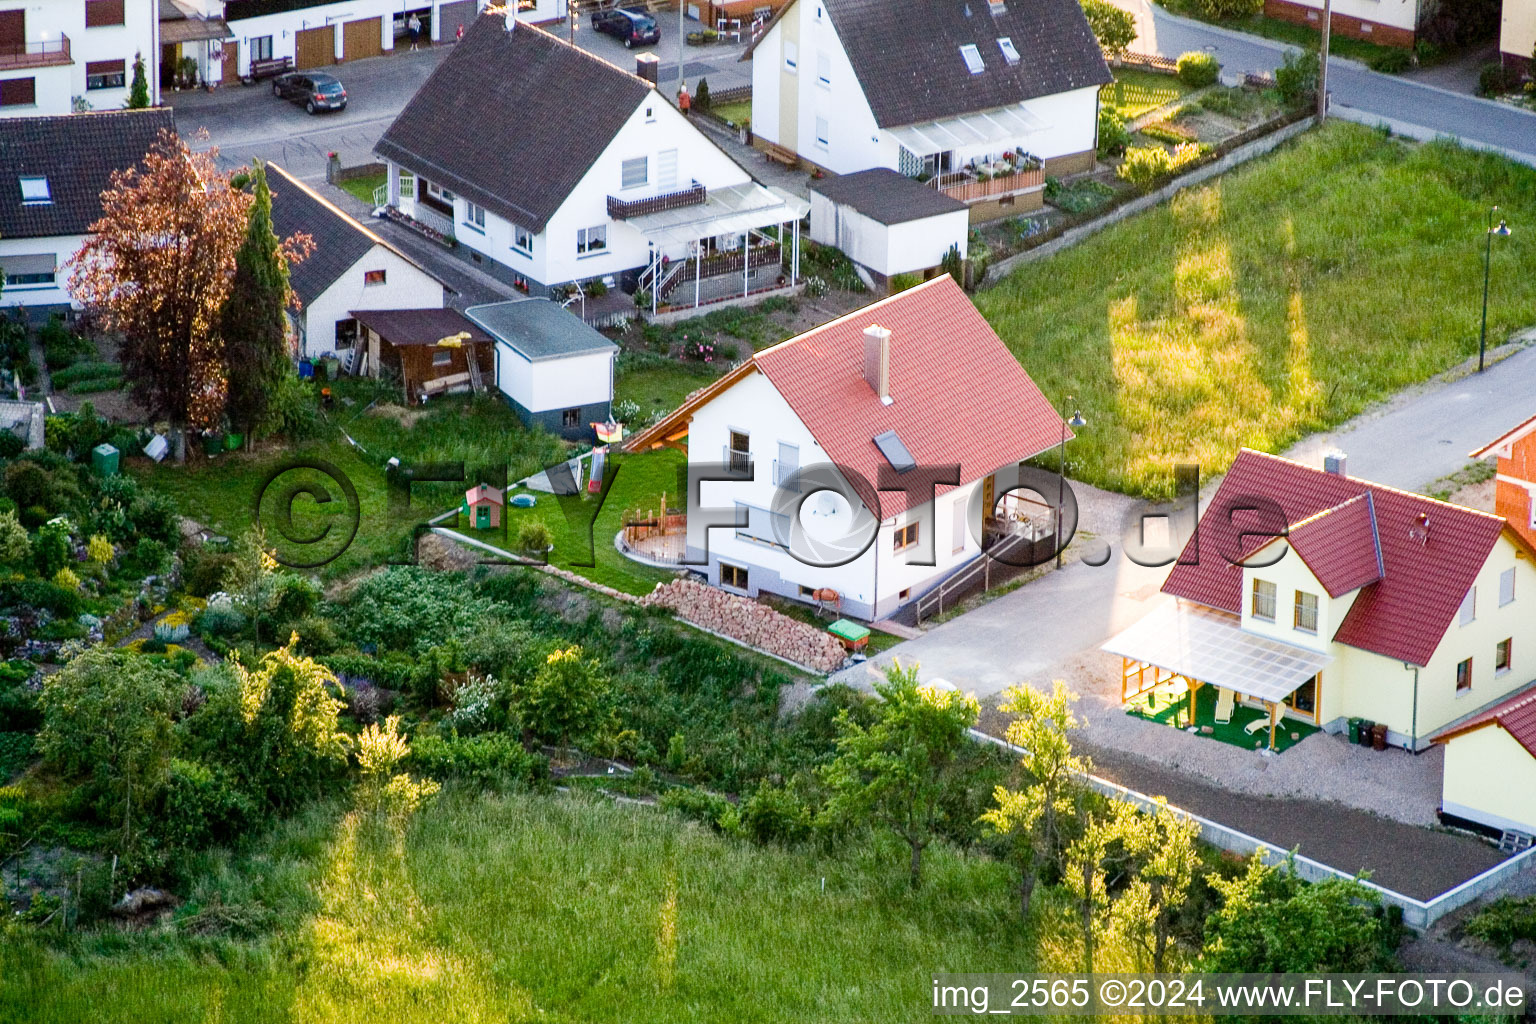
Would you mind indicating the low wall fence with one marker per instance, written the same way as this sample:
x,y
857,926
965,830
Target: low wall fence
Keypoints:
x,y
1416,913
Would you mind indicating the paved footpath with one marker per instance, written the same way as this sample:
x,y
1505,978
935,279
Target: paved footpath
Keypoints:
x,y
1475,121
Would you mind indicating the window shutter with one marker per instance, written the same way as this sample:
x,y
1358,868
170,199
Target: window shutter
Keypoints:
x,y
103,12
18,92
1506,586
105,67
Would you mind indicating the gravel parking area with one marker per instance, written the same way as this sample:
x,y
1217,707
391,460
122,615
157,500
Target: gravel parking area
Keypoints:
x,y
1391,783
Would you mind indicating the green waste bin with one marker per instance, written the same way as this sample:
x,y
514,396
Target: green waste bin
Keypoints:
x,y
104,460
1354,730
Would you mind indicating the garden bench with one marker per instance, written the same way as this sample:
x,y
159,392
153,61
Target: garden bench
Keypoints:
x,y
778,154
271,67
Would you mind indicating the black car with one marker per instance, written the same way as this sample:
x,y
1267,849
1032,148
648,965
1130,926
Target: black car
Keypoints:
x,y
633,27
314,92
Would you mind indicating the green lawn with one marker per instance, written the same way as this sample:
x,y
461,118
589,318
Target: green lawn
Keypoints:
x,y
363,188
659,384
1134,91
736,113
1282,299
557,909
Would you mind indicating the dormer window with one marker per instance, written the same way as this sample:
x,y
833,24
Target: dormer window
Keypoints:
x,y
35,191
1010,53
972,57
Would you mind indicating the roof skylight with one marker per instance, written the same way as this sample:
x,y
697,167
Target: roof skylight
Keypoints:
x,y
973,61
1010,53
34,190
895,451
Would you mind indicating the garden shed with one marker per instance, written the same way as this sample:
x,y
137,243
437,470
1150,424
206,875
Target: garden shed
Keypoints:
x,y
1499,743
432,351
887,223
556,370
482,506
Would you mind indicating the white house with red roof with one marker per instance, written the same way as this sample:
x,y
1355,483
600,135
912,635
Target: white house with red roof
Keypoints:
x,y
1321,597
1496,744
832,444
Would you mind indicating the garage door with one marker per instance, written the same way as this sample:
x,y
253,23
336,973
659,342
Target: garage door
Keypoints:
x,y
451,16
361,39
315,47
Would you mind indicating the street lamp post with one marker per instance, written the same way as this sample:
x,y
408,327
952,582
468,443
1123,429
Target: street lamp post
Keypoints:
x,y
1503,232
1061,480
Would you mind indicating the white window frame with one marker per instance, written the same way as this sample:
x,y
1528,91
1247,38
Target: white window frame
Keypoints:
x,y
791,57
823,133
1298,619
38,196
1009,51
1271,594
974,63
522,240
474,217
592,241
439,193
627,179
1508,645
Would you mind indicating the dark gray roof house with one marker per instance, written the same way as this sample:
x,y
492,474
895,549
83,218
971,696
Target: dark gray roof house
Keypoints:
x,y
906,57
885,196
539,329
508,141
54,169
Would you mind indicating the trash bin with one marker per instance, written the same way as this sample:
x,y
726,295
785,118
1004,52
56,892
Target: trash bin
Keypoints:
x,y
1379,736
1354,730
213,444
1364,737
306,369
104,460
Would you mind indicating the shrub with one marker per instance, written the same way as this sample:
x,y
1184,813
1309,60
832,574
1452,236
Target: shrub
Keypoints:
x,y
1296,78
202,806
149,558
1198,69
66,579
901,282
1494,80
815,287
154,516
1224,10
317,635
204,568
533,538
697,805
1144,165
1167,131
11,445
293,411
1113,136
479,704
1079,197
488,760
1505,921
100,549
1390,62
220,620
775,814
295,597
701,98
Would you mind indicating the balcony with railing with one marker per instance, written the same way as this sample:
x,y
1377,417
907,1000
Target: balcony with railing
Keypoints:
x,y
623,209
972,186
39,53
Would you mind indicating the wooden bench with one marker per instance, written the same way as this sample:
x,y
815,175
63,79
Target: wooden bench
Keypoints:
x,y
269,68
778,154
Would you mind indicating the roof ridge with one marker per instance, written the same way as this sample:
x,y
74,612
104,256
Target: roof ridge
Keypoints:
x,y
598,58
850,315
1315,516
1376,486
350,220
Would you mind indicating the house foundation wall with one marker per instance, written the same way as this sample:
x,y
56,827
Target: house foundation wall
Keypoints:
x,y
552,419
1070,163
1343,24
1006,206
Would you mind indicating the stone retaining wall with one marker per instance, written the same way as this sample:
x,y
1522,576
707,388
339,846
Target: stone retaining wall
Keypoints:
x,y
752,623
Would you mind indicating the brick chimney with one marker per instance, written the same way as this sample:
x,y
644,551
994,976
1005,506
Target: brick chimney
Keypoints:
x,y
877,361
1334,463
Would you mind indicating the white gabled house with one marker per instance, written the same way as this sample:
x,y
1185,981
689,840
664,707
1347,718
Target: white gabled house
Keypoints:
x,y
59,56
822,416
982,98
351,269
52,173
549,166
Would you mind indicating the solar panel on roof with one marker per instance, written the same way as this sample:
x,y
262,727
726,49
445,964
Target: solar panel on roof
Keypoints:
x,y
895,451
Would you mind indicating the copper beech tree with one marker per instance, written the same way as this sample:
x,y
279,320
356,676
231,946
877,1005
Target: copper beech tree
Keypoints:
x,y
158,270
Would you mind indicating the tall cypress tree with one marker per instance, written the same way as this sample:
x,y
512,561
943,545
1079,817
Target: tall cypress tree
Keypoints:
x,y
253,323
138,92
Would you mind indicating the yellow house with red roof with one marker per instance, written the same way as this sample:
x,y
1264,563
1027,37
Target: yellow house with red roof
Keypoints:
x,y
1323,598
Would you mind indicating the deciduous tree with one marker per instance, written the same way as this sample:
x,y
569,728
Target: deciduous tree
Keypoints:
x,y
1144,912
895,772
566,698
1114,28
1030,818
157,269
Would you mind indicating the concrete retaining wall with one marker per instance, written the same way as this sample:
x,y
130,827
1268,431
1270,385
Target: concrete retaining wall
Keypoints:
x,y
1241,155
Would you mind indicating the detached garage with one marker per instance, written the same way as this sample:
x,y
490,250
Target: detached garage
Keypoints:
x,y
556,371
1489,778
887,223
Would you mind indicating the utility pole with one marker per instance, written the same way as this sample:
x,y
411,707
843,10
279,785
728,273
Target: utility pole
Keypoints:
x,y
1322,63
682,35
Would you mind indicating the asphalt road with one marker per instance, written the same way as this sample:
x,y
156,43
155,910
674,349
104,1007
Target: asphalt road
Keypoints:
x,y
246,122
1473,120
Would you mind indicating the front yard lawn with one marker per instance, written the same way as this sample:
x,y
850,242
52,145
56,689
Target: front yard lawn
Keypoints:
x,y
1134,91
1279,300
363,188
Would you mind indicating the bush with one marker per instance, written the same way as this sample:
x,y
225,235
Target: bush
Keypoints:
x,y
1296,78
293,411
1144,165
774,814
11,445
533,538
148,558
1504,922
701,98
489,760
1113,137
901,282
317,635
815,287
295,597
203,569
1390,62
62,603
1080,197
1167,131
203,806
1198,69
1494,80
697,805
1225,10
1114,28
220,620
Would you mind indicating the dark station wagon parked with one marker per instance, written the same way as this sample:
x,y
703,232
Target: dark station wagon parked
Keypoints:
x,y
313,92
632,27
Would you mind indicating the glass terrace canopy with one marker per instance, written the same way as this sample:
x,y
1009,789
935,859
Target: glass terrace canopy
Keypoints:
x,y
1208,646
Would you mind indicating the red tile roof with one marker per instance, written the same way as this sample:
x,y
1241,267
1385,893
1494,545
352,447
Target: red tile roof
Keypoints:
x,y
959,394
1426,568
1516,715
1341,545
